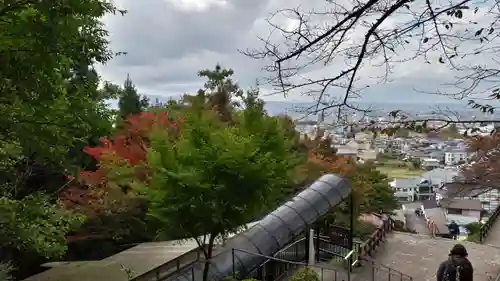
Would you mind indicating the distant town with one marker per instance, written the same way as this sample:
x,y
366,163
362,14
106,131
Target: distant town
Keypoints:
x,y
424,170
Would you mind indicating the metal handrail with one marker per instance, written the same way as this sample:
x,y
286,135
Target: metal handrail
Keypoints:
x,y
293,265
269,258
485,228
373,261
390,269
171,268
291,245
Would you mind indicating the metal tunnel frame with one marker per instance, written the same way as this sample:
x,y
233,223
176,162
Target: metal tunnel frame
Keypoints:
x,y
276,230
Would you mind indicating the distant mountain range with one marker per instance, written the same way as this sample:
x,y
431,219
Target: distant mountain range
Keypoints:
x,y
296,109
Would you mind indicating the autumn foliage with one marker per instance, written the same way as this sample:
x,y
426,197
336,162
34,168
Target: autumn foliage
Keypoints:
x,y
127,148
484,167
371,189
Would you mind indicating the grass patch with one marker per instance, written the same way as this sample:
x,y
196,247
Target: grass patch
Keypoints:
x,y
399,172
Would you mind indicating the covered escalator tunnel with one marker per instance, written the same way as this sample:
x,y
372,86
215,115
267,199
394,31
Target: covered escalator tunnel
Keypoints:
x,y
274,231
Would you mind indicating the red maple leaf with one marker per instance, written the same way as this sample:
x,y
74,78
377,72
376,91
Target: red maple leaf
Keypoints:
x,y
129,146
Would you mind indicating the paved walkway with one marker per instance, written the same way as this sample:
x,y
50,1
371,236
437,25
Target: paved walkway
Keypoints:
x,y
415,223
419,256
493,237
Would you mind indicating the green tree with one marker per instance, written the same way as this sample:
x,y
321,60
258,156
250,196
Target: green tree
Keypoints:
x,y
402,133
219,91
215,179
371,189
35,224
380,197
207,179
51,101
51,105
474,229
130,101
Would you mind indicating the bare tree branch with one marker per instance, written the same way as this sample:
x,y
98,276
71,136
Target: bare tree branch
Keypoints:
x,y
374,34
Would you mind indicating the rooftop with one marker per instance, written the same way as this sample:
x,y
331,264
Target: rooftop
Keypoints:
x,y
464,204
441,175
139,260
430,204
142,260
461,190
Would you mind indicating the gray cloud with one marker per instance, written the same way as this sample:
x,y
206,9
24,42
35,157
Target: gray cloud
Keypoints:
x,y
168,44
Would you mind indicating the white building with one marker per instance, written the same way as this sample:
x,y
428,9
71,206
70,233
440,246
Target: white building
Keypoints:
x,y
405,189
455,156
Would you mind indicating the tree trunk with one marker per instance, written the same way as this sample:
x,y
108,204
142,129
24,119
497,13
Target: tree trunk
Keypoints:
x,y
208,255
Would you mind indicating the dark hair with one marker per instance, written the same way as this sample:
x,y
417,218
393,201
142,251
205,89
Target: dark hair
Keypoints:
x,y
459,250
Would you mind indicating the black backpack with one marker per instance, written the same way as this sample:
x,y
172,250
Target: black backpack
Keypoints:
x,y
452,272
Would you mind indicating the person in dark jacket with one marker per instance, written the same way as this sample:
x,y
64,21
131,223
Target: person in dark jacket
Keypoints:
x,y
454,230
457,267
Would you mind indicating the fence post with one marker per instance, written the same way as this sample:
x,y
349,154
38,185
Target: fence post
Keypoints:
x,y
373,270
311,258
351,231
234,266
306,241
317,244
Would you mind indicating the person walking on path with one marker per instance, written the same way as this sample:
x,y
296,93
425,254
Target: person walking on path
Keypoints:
x,y
454,230
457,267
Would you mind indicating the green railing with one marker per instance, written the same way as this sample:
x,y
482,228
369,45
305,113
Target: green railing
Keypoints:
x,y
333,261
485,228
285,263
374,271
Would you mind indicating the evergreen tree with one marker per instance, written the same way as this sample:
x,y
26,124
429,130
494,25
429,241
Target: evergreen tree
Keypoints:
x,y
130,102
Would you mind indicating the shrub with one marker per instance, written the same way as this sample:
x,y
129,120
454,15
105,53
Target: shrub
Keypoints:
x,y
363,230
305,274
5,270
473,229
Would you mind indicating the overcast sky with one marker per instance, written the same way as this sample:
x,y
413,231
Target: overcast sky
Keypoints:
x,y
168,41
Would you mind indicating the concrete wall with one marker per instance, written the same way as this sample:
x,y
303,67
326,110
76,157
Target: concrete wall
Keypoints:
x,y
472,213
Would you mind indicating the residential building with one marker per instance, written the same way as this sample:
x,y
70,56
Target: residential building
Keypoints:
x,y
417,154
342,150
441,176
424,189
368,154
438,155
408,190
463,207
455,156
429,164
404,189
489,197
353,144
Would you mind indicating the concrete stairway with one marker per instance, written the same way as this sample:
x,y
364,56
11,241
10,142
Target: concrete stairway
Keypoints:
x,y
415,255
420,255
493,237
